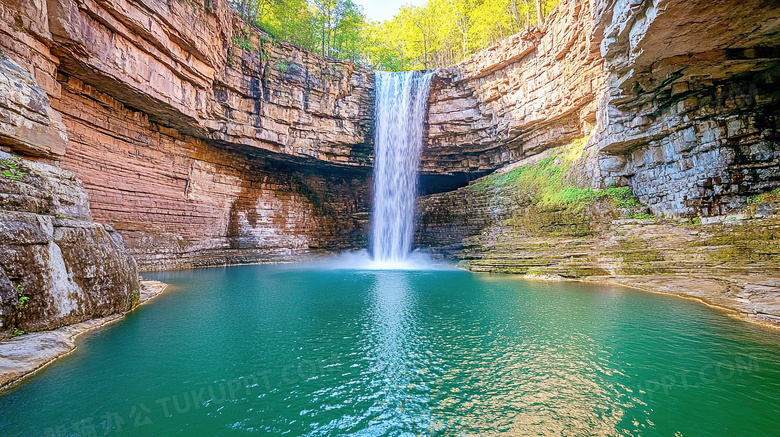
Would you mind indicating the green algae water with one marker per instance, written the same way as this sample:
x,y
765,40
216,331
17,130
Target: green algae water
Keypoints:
x,y
274,350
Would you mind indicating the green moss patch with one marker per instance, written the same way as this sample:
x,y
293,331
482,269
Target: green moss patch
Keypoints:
x,y
548,183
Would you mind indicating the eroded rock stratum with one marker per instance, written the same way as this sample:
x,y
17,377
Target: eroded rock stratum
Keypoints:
x,y
199,141
675,101
203,142
57,266
680,100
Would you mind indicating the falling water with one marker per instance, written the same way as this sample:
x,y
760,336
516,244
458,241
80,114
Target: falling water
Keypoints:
x,y
399,114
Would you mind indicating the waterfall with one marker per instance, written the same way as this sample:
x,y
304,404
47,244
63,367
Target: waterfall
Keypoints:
x,y
401,100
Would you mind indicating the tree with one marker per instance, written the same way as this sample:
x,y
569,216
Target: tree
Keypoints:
x,y
539,21
437,34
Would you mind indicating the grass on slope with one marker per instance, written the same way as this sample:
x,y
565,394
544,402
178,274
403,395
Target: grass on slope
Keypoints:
x,y
547,182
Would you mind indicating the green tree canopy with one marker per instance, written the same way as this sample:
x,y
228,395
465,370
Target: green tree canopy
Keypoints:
x,y
438,34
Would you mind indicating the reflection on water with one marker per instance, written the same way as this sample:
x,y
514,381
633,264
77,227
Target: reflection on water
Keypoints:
x,y
282,350
358,260
520,373
400,364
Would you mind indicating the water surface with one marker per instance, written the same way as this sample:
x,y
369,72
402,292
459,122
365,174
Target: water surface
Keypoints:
x,y
285,351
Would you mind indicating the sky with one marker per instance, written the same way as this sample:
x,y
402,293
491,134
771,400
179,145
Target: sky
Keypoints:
x,y
380,10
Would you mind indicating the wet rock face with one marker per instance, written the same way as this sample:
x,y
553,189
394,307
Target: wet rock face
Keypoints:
x,y
57,266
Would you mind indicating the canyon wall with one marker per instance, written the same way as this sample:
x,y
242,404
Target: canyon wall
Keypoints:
x,y
679,98
57,265
200,141
690,119
194,67
497,225
534,90
177,106
180,201
203,142
672,101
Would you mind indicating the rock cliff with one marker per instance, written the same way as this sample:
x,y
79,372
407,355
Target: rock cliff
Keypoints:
x,y
534,90
690,119
194,67
196,142
676,103
200,141
57,266
680,98
504,223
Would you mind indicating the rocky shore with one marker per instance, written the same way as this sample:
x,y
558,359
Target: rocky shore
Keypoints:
x,y
24,355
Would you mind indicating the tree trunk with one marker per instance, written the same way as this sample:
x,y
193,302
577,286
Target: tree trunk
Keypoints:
x,y
323,35
335,32
539,21
515,13
326,49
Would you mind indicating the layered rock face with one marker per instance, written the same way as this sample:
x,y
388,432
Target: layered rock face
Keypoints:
x,y
533,91
679,97
732,262
691,119
203,142
193,66
200,141
57,266
679,102
181,202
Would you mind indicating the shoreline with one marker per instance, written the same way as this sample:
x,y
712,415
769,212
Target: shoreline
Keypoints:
x,y
735,313
23,356
625,281
622,281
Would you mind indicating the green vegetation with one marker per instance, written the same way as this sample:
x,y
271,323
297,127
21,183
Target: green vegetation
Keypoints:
x,y
244,43
642,216
622,197
438,34
765,198
21,304
768,198
548,183
11,168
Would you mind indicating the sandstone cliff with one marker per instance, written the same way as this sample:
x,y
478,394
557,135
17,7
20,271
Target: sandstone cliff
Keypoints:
x,y
534,90
200,141
57,266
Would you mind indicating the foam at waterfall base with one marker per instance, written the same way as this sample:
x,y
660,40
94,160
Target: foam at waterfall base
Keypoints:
x,y
361,260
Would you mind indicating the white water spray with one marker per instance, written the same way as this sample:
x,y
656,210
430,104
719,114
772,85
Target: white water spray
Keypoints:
x,y
401,101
